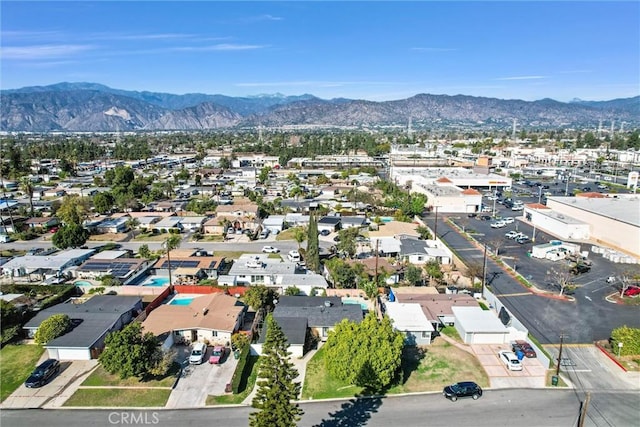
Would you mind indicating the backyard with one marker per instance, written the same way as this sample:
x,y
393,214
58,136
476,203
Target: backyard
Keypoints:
x,y
16,364
426,368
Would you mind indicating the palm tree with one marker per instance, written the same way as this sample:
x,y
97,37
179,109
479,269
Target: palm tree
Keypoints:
x,y
27,188
172,242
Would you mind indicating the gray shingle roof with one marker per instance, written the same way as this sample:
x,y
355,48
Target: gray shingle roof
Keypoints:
x,y
294,328
322,317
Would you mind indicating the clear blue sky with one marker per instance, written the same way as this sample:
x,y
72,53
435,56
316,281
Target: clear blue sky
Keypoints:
x,y
369,50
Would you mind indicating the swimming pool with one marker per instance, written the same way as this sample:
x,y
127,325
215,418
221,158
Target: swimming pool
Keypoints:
x,y
155,281
83,283
362,304
386,218
181,300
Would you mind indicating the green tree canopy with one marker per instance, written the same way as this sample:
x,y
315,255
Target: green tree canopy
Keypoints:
x,y
52,327
312,256
367,354
130,353
73,209
413,275
103,202
276,391
259,296
70,236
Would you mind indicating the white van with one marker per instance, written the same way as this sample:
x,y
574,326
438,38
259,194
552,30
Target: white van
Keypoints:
x,y
294,256
198,353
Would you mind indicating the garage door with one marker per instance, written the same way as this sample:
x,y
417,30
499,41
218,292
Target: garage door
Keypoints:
x,y
74,354
488,338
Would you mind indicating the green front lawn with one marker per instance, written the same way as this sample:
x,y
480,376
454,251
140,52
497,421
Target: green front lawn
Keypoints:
x,y
427,368
16,364
451,332
101,378
318,384
117,397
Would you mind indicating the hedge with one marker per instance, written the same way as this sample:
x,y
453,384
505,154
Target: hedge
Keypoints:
x,y
239,372
60,297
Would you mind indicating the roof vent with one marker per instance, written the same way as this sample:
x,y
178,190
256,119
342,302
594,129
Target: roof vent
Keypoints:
x,y
327,303
205,311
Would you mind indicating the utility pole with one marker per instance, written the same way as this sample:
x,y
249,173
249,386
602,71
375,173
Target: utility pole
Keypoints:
x,y
435,227
377,254
560,354
484,269
583,409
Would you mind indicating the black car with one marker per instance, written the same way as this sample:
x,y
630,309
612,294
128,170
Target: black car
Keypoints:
x,y
462,389
579,269
325,232
485,218
43,373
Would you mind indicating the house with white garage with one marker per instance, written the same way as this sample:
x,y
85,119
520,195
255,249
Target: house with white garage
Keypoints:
x,y
409,319
91,320
47,266
478,326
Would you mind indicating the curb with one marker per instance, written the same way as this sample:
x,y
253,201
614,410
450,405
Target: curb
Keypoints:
x,y
606,353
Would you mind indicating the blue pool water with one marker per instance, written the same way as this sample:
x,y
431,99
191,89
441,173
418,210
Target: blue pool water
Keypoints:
x,y
82,283
386,218
350,301
181,301
156,281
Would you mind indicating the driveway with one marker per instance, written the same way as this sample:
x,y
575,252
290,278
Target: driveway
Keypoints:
x,y
533,374
57,391
205,379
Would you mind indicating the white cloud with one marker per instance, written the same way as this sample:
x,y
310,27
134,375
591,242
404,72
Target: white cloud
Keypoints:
x,y
522,78
35,52
265,17
217,47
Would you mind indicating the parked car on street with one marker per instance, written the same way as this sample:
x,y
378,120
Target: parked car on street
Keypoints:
x,y
510,360
270,250
43,373
462,389
524,347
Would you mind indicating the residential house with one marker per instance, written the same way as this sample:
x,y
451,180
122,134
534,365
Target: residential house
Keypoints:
x,y
259,269
112,225
419,252
43,223
300,315
91,320
239,216
353,221
409,319
126,270
478,326
273,223
192,223
169,223
187,268
210,318
54,192
437,307
43,267
329,223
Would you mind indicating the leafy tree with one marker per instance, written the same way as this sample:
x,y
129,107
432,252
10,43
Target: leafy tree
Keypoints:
x,y
27,188
368,354
299,235
424,232
239,341
474,271
347,241
10,321
292,291
52,327
225,163
413,275
73,209
630,339
144,251
312,257
264,174
130,353
108,280
434,270
70,236
341,273
259,296
276,391
103,202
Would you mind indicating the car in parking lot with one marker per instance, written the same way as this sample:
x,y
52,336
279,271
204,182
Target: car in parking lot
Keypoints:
x,y
632,291
579,269
270,250
485,218
517,207
43,373
509,220
523,239
462,389
498,224
510,360
524,347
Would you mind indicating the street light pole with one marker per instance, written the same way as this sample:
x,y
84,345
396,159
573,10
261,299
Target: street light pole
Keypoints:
x,y
435,227
484,269
566,189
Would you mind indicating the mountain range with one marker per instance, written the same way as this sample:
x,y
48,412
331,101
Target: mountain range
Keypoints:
x,y
92,107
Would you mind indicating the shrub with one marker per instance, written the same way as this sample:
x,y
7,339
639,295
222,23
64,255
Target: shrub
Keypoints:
x,y
239,372
66,293
630,339
53,327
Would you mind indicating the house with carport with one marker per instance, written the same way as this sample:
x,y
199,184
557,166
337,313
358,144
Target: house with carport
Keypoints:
x,y
409,319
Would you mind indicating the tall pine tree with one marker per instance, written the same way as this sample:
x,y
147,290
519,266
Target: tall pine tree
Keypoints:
x,y
312,257
276,389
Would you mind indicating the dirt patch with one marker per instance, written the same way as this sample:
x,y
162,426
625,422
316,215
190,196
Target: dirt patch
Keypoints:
x,y
108,237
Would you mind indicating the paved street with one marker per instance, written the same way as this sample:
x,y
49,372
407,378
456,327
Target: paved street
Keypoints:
x,y
540,408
